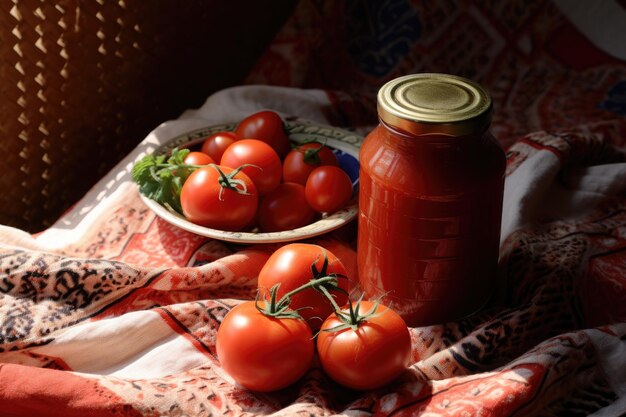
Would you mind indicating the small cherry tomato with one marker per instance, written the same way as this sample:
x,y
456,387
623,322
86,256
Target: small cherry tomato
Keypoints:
x,y
266,126
263,353
370,356
292,266
301,161
225,202
216,144
267,170
328,189
198,158
284,208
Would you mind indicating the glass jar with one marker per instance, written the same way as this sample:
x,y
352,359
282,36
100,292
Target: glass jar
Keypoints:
x,y
430,199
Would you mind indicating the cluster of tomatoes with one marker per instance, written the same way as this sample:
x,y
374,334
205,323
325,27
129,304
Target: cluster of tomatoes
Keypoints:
x,y
268,344
252,176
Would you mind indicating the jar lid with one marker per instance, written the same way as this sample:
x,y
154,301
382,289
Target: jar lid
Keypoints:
x,y
435,103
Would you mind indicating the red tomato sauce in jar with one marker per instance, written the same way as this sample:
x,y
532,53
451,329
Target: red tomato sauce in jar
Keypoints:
x,y
430,199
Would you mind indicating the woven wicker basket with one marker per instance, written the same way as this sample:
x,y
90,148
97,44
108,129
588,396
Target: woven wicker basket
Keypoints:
x,y
81,82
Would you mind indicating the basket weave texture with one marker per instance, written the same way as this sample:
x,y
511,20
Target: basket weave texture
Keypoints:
x,y
82,82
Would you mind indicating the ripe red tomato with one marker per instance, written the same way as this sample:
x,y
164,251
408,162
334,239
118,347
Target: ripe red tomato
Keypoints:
x,y
342,250
263,353
301,161
216,144
291,266
198,158
284,208
374,354
266,174
268,127
205,201
328,189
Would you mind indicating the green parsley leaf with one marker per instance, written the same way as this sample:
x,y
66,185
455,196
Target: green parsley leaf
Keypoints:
x,y
161,180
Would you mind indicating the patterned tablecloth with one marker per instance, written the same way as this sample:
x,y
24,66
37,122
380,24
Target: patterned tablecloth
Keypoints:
x,y
113,311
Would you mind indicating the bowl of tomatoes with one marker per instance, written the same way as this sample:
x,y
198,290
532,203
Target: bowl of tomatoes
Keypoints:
x,y
261,180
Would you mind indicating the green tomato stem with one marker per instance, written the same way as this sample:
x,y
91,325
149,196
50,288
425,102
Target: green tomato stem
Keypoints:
x,y
279,309
330,298
314,283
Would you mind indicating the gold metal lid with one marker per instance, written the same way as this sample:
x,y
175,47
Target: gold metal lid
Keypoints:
x,y
424,104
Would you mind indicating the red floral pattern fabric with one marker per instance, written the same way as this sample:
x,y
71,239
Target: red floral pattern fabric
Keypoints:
x,y
544,71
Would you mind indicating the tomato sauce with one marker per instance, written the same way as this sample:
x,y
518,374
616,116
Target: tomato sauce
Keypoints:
x,y
429,217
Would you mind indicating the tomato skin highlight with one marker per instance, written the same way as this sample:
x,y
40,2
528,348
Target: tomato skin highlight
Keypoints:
x,y
263,353
207,203
285,208
198,158
328,189
266,126
216,144
267,172
296,167
371,356
290,266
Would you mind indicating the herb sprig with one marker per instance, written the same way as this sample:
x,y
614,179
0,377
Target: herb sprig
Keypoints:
x,y
161,178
